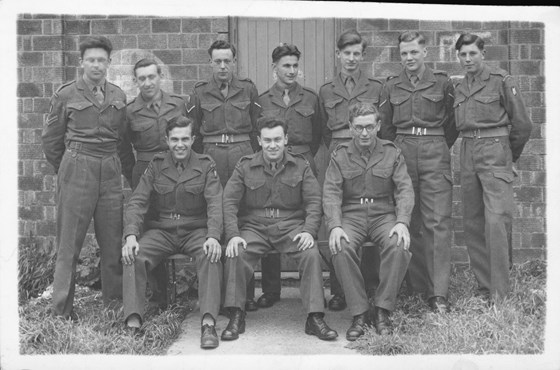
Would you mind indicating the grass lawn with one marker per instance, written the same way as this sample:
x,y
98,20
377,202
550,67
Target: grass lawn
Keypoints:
x,y
514,325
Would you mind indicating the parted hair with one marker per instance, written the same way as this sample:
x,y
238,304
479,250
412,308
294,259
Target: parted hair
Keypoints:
x,y
271,122
468,39
350,37
409,36
221,44
145,62
362,109
285,50
180,121
94,42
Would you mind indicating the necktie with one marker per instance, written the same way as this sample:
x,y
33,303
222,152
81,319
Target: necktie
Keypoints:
x,y
349,84
180,167
273,166
98,94
470,81
224,89
414,80
286,97
155,106
365,155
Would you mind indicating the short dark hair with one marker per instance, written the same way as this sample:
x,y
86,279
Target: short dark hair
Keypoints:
x,y
93,42
146,62
409,36
468,39
221,44
285,50
350,37
179,122
271,122
362,109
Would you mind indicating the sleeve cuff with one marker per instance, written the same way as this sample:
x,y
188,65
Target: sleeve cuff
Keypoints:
x,y
404,219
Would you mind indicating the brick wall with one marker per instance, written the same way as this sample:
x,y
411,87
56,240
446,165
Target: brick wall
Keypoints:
x,y
47,57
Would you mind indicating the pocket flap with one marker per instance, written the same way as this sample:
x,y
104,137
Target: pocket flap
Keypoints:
x,y
304,111
254,184
241,104
458,100
140,125
331,103
487,99
382,172
351,173
163,188
194,188
291,181
79,105
399,99
271,113
210,107
506,176
433,98
368,100
118,104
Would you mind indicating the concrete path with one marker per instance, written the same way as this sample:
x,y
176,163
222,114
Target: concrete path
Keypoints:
x,y
278,330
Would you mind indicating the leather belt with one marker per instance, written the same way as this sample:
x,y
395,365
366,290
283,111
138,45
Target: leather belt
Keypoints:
x,y
298,149
342,134
171,216
421,131
363,200
485,132
225,138
93,149
146,156
271,212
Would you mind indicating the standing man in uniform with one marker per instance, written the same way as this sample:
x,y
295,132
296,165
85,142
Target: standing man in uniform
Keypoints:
x,y
185,194
83,134
349,86
368,194
147,118
273,201
417,114
225,113
299,107
494,125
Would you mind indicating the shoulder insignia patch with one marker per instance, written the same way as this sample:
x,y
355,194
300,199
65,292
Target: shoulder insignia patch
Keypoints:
x,y
391,77
65,85
308,89
513,90
439,72
257,104
200,83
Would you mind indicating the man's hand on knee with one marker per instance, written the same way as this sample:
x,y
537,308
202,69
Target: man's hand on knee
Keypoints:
x,y
212,249
305,241
335,242
402,235
232,249
130,249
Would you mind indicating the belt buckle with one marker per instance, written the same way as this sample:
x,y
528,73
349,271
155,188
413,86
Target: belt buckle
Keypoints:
x,y
269,212
476,134
175,216
226,139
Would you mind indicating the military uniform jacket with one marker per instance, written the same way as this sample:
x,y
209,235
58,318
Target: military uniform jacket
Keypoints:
x,y
384,178
146,128
302,115
494,100
429,104
335,101
235,114
195,196
253,186
76,115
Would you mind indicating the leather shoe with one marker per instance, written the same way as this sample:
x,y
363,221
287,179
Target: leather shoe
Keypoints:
x,y
251,305
235,326
315,325
382,321
208,337
359,322
337,303
438,304
268,299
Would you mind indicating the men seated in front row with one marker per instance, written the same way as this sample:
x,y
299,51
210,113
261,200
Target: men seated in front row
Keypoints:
x,y
273,201
368,194
186,199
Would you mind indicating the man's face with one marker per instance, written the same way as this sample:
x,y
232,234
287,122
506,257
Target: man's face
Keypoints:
x,y
286,69
412,55
95,63
273,141
222,64
364,130
148,81
471,58
350,58
179,141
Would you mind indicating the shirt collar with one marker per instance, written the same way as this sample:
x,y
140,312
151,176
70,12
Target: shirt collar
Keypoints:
x,y
183,161
219,83
157,99
91,85
290,88
355,76
419,74
355,149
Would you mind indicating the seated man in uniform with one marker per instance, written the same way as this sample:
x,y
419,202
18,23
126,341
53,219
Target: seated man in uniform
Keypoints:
x,y
368,194
186,200
273,201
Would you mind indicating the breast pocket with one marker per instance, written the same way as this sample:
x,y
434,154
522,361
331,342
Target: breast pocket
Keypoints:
x,y
301,123
191,198
240,113
165,196
337,113
290,191
82,114
117,114
256,193
487,108
353,183
143,131
382,182
402,107
432,107
369,100
210,119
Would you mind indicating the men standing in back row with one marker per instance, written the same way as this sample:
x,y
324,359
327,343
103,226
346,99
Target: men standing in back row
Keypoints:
x,y
417,114
349,86
495,126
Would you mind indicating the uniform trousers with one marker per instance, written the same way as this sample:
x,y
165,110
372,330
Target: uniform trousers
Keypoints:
x,y
429,165
369,260
155,246
158,276
88,187
393,264
486,183
260,240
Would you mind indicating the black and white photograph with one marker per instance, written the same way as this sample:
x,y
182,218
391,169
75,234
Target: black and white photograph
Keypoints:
x,y
279,184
